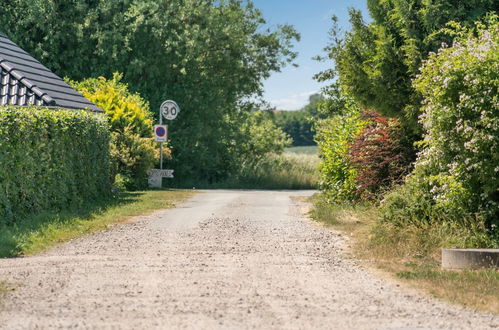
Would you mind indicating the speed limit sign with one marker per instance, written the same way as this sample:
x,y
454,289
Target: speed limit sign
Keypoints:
x,y
169,110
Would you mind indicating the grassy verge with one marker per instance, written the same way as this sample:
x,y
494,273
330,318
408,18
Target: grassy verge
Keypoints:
x,y
412,255
285,171
45,230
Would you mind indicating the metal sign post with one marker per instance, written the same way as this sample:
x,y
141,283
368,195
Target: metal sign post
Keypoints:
x,y
169,109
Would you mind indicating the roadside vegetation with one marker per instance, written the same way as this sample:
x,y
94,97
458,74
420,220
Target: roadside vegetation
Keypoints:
x,y
409,148
412,254
288,170
46,229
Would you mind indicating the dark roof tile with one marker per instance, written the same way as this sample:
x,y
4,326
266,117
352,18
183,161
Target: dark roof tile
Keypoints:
x,y
25,81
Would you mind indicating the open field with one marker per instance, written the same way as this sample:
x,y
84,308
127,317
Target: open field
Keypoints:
x,y
473,289
45,230
307,150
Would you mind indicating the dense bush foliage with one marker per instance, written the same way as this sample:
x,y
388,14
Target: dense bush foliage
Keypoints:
x,y
50,160
125,110
207,55
456,177
380,154
132,156
263,137
256,139
130,119
335,136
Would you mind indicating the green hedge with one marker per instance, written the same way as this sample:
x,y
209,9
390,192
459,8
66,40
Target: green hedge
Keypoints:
x,y
51,160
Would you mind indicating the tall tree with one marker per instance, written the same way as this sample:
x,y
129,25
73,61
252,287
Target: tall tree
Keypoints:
x,y
299,125
208,55
376,62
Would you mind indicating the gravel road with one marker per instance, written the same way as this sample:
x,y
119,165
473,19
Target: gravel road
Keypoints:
x,y
222,260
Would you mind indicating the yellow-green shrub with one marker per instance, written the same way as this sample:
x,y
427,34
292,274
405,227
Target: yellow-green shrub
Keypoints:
x,y
130,120
51,159
334,137
125,109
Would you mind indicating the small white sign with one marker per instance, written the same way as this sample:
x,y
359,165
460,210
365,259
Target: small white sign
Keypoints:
x,y
170,109
160,133
156,173
155,182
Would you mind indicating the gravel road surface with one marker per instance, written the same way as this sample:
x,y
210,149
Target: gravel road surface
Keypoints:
x,y
222,260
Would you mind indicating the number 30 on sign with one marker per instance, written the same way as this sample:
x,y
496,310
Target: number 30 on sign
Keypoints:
x,y
170,109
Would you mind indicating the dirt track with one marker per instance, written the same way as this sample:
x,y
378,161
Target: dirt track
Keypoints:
x,y
225,259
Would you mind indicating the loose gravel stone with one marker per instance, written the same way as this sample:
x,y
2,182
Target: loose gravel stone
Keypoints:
x,y
222,260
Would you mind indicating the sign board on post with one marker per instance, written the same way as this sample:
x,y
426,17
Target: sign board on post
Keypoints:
x,y
160,133
169,109
155,182
161,173
156,177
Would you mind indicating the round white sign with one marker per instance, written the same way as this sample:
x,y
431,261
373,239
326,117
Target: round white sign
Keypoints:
x,y
170,110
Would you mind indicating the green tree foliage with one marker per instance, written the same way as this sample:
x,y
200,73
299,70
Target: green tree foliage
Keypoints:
x,y
130,120
456,175
299,125
208,55
334,137
376,62
51,160
264,138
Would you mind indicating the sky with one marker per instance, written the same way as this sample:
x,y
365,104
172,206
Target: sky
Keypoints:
x,y
291,88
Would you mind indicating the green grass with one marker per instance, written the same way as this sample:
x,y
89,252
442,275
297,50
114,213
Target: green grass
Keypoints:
x,y
34,234
307,150
285,171
412,254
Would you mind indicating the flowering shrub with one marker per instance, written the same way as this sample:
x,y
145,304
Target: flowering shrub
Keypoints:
x,y
380,155
457,173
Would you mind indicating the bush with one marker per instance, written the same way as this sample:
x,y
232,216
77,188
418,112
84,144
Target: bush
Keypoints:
x,y
456,177
124,109
132,157
130,119
334,137
381,155
51,160
261,138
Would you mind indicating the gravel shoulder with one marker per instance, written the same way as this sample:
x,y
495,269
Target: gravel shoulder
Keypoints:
x,y
221,260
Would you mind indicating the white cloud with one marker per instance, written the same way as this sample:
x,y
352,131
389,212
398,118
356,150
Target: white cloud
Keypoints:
x,y
293,102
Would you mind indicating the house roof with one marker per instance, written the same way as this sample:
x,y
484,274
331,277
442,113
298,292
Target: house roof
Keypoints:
x,y
25,81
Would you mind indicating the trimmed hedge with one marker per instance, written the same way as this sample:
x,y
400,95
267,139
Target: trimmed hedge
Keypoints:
x,y
51,160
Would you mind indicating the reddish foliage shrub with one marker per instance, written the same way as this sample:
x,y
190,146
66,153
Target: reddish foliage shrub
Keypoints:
x,y
381,155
